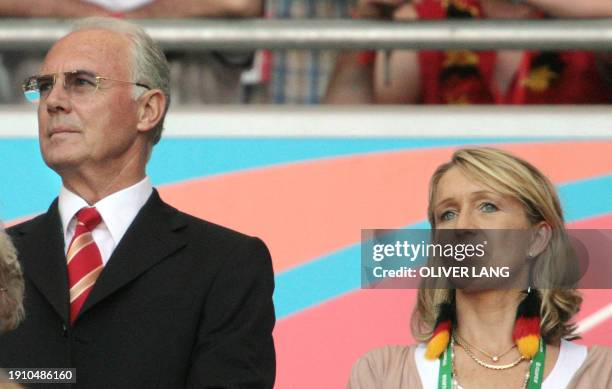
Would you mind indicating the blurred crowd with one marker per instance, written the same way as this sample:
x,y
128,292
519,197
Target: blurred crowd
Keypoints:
x,y
334,77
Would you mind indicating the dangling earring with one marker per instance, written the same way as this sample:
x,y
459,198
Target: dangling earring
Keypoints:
x,y
526,331
441,333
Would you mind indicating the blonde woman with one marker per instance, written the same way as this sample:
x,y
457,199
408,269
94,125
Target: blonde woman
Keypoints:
x,y
503,339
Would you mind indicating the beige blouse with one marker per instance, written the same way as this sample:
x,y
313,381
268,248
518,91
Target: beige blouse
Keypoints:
x,y
404,367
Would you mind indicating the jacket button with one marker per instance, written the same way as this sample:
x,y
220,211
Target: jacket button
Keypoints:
x,y
64,330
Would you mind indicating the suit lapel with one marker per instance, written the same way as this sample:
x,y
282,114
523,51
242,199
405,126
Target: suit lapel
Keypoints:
x,y
154,234
42,256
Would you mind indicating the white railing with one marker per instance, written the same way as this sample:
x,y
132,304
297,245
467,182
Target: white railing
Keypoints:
x,y
205,34
586,122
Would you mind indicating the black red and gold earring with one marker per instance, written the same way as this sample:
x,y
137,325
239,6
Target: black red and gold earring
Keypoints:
x,y
442,330
526,333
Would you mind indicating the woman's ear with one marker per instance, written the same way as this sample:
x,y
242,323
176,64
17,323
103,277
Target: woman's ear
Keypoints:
x,y
540,239
151,107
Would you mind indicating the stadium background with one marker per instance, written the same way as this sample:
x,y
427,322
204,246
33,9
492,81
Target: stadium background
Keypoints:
x,y
308,198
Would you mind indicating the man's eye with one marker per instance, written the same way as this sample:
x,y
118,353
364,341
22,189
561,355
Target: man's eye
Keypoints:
x,y
45,86
488,207
81,81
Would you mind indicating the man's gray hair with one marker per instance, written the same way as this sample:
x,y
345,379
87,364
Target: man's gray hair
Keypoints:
x,y
150,66
11,285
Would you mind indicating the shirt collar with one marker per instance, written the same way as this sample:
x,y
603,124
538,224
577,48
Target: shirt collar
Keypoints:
x,y
118,210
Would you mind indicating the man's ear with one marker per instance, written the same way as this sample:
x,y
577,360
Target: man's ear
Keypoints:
x,y
151,107
540,238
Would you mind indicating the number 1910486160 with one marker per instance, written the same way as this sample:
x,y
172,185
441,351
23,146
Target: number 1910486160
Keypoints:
x,y
40,375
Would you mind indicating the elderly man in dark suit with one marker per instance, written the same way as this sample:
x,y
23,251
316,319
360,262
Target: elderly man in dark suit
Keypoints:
x,y
120,286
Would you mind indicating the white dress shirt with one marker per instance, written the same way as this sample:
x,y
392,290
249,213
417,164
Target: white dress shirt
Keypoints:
x,y
117,210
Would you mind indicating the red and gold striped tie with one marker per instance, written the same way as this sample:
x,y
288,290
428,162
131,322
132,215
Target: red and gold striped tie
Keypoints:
x,y
84,260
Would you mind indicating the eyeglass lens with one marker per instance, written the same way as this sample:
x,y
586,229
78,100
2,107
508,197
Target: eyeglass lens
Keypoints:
x,y
76,83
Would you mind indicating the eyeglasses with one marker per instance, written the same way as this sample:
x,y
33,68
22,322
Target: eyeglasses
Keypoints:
x,y
77,83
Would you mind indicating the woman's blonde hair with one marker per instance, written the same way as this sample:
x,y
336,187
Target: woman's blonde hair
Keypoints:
x,y
515,177
11,285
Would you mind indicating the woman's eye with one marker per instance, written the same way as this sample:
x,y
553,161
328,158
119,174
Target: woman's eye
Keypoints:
x,y
447,215
488,207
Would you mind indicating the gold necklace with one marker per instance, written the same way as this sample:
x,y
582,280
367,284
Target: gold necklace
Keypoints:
x,y
494,358
469,352
455,380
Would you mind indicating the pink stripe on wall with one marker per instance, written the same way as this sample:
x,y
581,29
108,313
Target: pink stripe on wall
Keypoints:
x,y
309,209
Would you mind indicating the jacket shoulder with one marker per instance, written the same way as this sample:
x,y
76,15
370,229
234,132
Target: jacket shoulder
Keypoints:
x,y
201,226
211,237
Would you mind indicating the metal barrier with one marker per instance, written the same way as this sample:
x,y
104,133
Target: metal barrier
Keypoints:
x,y
200,34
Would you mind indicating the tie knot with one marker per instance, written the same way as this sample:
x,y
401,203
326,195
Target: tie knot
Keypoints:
x,y
89,217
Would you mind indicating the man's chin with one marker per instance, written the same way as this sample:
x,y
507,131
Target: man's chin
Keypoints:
x,y
61,163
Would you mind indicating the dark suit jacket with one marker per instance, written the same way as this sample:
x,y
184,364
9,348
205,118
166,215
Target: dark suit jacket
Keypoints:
x,y
182,303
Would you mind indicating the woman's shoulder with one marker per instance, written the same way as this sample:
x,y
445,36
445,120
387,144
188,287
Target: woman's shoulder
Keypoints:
x,y
385,367
388,355
600,353
595,371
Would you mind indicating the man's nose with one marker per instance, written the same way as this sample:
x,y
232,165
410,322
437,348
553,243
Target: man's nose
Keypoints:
x,y
58,98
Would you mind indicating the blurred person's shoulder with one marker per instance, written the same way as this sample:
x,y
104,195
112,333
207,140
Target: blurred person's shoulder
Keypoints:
x,y
4,384
392,366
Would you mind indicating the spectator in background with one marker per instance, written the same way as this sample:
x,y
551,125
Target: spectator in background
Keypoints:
x,y
199,77
205,76
11,294
11,285
474,77
301,76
